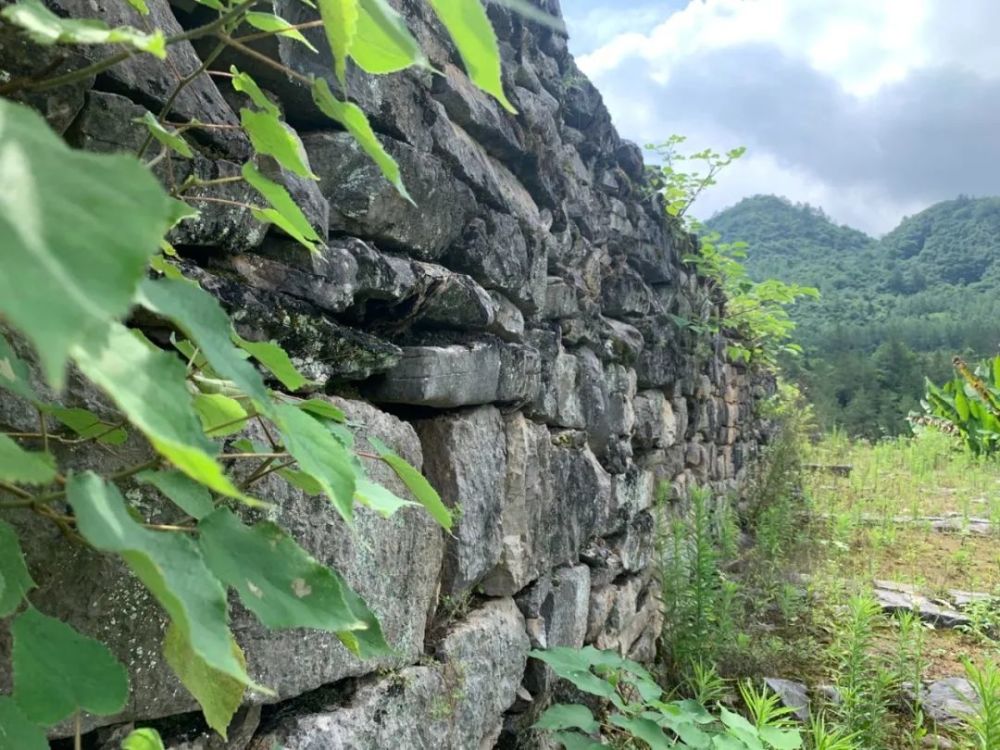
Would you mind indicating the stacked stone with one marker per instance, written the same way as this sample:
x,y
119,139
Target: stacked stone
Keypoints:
x,y
515,333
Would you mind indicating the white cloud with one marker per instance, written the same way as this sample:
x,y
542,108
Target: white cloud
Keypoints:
x,y
871,109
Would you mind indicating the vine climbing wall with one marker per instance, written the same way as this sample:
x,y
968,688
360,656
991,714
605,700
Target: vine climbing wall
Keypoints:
x,y
518,331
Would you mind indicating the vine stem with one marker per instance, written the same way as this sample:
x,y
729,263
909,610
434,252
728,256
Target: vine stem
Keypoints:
x,y
108,62
250,52
223,201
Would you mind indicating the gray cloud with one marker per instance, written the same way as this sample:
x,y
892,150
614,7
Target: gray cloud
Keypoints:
x,y
928,137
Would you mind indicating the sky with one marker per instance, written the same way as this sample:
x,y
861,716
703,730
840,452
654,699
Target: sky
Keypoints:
x,y
869,109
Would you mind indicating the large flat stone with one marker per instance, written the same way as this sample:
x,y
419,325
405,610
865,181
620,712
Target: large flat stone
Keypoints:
x,y
456,703
465,460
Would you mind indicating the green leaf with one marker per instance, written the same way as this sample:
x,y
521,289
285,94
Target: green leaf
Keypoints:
x,y
140,6
383,43
273,23
781,739
58,671
168,269
24,467
353,119
15,580
415,482
45,27
143,739
320,455
14,375
148,386
568,716
170,566
378,498
643,729
17,732
728,742
470,29
75,237
199,315
243,83
271,136
220,415
574,741
302,481
285,213
218,694
88,425
275,360
276,579
340,22
191,497
322,409
166,137
367,643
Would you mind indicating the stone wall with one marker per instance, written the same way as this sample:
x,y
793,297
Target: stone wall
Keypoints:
x,y
515,333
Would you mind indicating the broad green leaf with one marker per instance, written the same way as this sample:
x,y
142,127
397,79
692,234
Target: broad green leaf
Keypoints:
x,y
168,269
166,137
75,236
383,43
320,455
45,27
302,481
170,566
275,360
88,425
353,119
378,498
203,320
322,409
191,497
781,739
15,581
17,732
14,374
367,643
243,83
220,415
273,23
148,386
740,727
218,694
568,716
340,22
470,29
24,467
289,216
143,739
643,729
58,671
727,742
574,741
422,490
271,136
276,579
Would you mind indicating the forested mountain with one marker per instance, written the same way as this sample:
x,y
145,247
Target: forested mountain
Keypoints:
x,y
891,310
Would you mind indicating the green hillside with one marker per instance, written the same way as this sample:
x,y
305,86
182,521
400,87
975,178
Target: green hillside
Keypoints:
x,y
891,311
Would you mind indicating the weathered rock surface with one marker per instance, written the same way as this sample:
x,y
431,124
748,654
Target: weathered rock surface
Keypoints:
x,y
455,704
516,332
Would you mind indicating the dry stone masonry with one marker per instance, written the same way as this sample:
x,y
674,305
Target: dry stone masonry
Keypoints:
x,y
518,334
